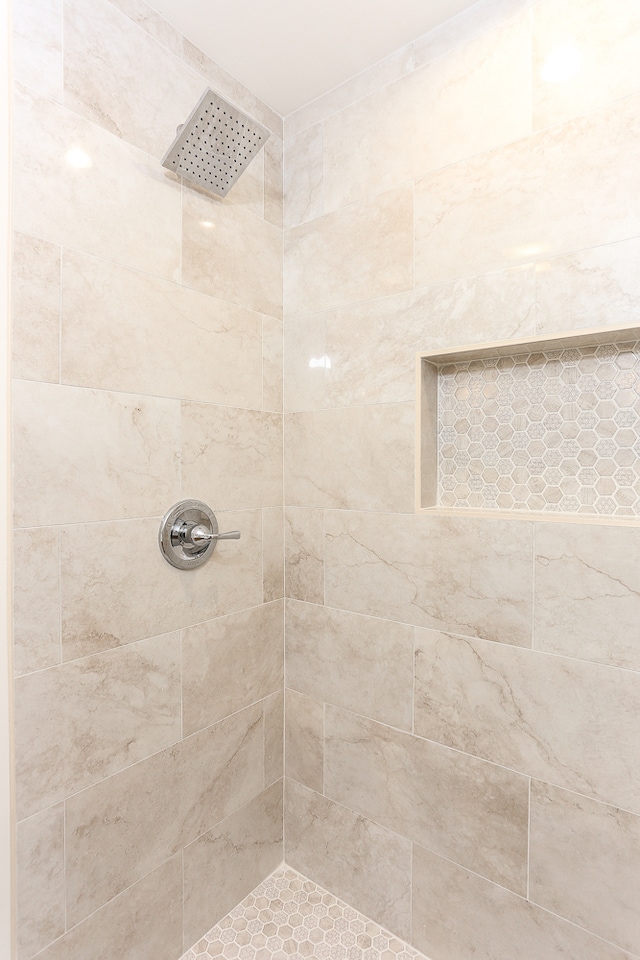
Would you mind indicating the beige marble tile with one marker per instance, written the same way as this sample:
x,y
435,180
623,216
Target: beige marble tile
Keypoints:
x,y
231,458
143,923
272,380
113,594
40,881
482,214
304,739
273,738
121,828
305,360
36,600
569,723
273,553
359,663
35,309
587,599
453,108
590,288
273,178
359,253
479,19
585,859
224,865
473,577
470,811
321,836
230,663
82,455
118,76
304,554
585,55
179,343
87,189
230,253
79,722
460,916
340,458
36,48
146,18
303,177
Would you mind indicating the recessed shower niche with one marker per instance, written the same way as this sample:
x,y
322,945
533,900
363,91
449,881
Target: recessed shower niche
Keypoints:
x,y
543,426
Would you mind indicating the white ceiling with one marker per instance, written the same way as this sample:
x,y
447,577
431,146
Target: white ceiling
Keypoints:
x,y
289,52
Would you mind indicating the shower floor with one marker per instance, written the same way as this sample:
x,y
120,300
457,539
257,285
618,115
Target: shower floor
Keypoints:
x,y
289,917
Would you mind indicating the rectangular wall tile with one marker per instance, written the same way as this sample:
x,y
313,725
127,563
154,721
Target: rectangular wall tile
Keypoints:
x,y
460,916
231,458
36,46
169,332
273,553
303,177
305,362
574,724
465,809
230,663
359,253
35,309
36,599
40,881
273,177
334,458
359,663
304,739
129,444
585,861
587,601
152,23
272,380
273,712
112,594
81,721
469,576
120,829
321,836
224,865
304,554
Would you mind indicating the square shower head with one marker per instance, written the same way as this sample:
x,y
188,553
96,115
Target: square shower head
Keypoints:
x,y
215,145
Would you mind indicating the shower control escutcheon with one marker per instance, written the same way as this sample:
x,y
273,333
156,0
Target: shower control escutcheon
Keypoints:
x,y
189,534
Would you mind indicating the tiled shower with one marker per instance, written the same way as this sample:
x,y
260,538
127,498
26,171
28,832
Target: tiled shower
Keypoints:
x,y
459,763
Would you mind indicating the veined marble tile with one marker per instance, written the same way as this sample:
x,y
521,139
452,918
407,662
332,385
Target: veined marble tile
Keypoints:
x,y
460,916
40,880
82,455
114,594
143,923
570,723
223,866
230,253
150,21
304,739
231,459
585,860
87,189
36,47
273,180
118,76
473,22
340,458
525,201
36,599
590,288
35,309
470,811
272,379
587,602
303,177
360,663
361,252
321,836
121,828
273,553
585,55
79,722
305,363
304,554
273,712
230,663
473,577
156,337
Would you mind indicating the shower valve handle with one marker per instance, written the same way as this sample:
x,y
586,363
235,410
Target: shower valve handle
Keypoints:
x,y
189,535
198,535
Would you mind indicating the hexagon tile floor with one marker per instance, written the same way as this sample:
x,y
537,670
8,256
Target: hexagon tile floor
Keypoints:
x,y
291,918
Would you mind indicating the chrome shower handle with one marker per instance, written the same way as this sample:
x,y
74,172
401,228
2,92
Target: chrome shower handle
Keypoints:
x,y
189,535
198,535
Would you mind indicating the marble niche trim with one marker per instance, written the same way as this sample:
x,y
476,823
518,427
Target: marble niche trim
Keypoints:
x,y
540,428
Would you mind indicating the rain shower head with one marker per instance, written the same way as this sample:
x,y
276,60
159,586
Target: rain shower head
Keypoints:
x,y
215,145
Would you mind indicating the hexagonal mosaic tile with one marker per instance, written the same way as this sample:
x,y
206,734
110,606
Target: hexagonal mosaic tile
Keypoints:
x,y
291,918
554,432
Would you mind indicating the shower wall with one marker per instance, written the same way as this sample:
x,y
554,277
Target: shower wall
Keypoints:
x,y
147,338
462,694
